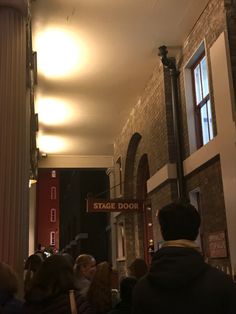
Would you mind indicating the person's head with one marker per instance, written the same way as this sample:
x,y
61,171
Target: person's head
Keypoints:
x,y
138,268
32,265
69,258
8,279
126,288
179,221
85,265
99,293
54,276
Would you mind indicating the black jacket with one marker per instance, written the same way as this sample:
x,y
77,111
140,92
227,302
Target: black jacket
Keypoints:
x,y
122,308
180,282
60,304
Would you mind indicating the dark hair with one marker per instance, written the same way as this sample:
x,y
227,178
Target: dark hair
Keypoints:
x,y
54,277
8,279
179,221
69,259
99,293
32,265
138,268
126,288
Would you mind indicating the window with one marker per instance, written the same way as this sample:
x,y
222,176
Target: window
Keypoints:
x,y
120,240
53,193
53,174
202,104
53,217
52,238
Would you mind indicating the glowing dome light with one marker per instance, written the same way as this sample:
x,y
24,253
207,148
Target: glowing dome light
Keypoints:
x,y
50,144
58,53
52,111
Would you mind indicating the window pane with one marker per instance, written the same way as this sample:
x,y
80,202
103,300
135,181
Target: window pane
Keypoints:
x,y
204,122
197,83
205,85
210,119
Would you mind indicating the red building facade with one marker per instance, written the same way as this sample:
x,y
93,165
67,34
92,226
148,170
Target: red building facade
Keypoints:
x,y
48,208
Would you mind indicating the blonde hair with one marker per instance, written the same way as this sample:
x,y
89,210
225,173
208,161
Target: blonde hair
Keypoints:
x,y
8,279
82,260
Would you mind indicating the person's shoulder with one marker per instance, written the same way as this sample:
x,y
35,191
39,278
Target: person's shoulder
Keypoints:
x,y
13,306
142,285
219,278
84,307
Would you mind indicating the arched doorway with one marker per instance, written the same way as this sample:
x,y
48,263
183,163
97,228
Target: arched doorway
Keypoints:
x,y
129,193
145,218
129,165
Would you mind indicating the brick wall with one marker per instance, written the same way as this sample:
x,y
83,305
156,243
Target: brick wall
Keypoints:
x,y
148,118
151,118
208,179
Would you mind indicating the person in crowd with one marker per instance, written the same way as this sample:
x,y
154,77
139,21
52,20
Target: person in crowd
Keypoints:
x,y
179,281
138,268
99,294
9,304
84,269
53,291
69,258
32,265
127,285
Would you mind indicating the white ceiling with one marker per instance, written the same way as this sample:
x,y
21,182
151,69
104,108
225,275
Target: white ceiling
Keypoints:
x,y
115,49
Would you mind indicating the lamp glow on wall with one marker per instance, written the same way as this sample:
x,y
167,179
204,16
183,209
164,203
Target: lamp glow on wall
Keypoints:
x,y
53,111
59,53
51,143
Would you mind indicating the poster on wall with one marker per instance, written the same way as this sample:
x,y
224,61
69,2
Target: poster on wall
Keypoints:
x,y
217,245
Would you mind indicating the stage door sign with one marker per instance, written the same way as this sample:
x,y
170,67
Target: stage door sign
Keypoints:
x,y
116,205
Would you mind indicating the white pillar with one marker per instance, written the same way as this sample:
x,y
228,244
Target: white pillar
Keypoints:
x,y
14,134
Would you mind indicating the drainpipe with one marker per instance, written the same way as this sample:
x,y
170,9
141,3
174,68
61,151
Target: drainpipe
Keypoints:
x,y
174,73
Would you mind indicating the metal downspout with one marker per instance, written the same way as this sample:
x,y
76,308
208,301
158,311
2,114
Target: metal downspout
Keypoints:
x,y
174,73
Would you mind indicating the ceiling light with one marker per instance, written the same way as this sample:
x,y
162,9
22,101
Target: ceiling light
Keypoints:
x,y
52,111
50,143
59,52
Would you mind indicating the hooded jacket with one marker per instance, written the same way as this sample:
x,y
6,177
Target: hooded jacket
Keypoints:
x,y
180,282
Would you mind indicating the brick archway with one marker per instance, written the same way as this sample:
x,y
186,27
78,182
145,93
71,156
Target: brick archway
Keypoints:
x,y
129,165
145,218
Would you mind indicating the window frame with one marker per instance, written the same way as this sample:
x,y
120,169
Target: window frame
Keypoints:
x,y
205,101
53,192
52,238
53,215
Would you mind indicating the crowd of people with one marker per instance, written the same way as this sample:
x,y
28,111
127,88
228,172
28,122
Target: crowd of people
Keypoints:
x,y
178,280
